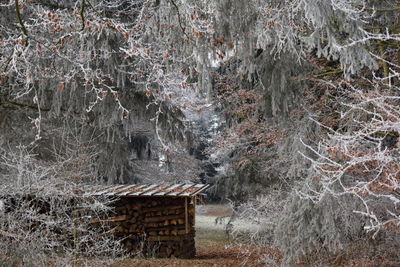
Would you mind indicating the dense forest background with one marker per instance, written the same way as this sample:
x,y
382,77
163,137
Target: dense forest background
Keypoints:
x,y
289,108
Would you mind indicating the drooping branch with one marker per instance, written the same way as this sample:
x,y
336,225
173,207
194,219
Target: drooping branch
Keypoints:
x,y
21,105
51,5
21,21
393,9
332,72
179,19
11,235
82,14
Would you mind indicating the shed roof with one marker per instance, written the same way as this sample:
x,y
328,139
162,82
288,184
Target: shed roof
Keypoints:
x,y
146,190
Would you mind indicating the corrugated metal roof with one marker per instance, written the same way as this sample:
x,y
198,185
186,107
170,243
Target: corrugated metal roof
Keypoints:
x,y
159,190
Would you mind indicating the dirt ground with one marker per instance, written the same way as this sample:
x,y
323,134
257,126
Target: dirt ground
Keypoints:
x,y
212,245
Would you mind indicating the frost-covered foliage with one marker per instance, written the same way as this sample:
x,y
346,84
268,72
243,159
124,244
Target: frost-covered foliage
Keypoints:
x,y
353,168
46,217
111,67
362,161
335,29
351,191
254,221
308,228
354,184
258,147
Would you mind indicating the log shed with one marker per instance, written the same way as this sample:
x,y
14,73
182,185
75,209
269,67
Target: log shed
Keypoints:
x,y
157,219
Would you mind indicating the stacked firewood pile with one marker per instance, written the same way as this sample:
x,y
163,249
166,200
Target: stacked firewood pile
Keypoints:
x,y
154,226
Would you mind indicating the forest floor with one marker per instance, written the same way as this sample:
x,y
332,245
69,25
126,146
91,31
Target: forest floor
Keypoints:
x,y
214,248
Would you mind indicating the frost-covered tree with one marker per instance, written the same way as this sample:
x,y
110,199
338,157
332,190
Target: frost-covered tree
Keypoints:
x,y
116,68
351,192
351,44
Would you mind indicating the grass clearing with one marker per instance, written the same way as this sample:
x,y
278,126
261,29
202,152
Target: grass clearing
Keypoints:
x,y
214,248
